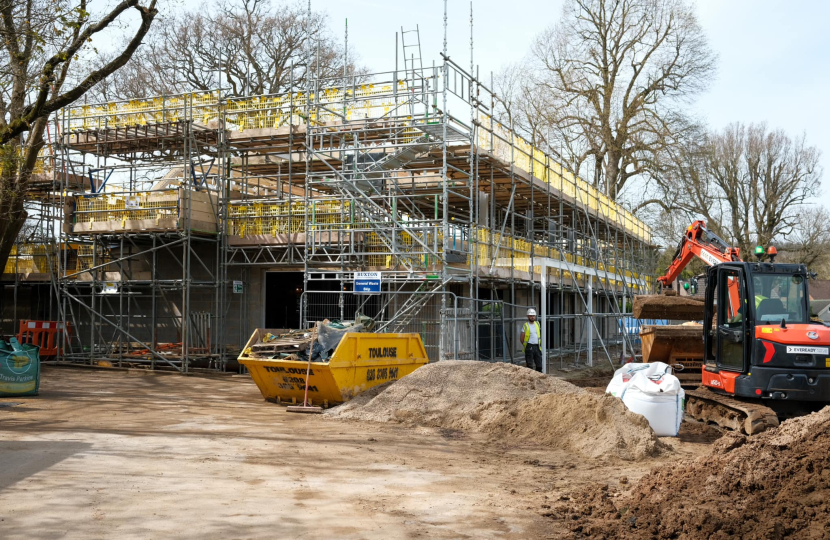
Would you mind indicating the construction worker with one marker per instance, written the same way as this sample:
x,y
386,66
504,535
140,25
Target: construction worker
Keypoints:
x,y
531,336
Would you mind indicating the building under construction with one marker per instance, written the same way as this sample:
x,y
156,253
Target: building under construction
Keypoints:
x,y
166,229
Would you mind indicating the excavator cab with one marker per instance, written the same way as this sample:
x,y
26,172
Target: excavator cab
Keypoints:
x,y
759,341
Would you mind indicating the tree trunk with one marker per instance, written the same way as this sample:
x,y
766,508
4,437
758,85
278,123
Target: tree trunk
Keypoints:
x,y
14,182
12,218
612,171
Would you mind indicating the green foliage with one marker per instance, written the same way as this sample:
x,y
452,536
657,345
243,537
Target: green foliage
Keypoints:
x,y
10,159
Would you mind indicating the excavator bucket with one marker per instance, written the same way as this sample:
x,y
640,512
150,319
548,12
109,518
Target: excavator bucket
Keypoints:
x,y
656,306
680,346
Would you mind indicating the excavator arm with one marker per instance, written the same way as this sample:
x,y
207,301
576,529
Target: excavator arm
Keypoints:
x,y
698,242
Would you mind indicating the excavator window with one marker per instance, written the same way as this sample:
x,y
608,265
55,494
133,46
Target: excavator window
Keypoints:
x,y
779,297
732,302
731,319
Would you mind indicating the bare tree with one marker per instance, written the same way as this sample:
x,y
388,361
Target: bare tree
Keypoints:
x,y
518,105
809,242
750,184
259,47
42,42
609,81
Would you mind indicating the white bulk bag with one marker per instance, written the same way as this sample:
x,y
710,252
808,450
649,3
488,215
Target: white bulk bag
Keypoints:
x,y
623,375
657,397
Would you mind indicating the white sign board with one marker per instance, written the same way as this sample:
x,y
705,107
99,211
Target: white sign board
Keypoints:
x,y
109,288
367,282
237,287
791,349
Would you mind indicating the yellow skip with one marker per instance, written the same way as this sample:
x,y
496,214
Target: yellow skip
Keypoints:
x,y
360,361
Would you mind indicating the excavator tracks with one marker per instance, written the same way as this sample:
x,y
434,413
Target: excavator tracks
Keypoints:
x,y
746,417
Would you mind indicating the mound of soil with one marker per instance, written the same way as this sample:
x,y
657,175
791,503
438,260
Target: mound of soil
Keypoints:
x,y
588,424
510,404
449,393
775,485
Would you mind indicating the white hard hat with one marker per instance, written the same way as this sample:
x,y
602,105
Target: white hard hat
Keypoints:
x,y
530,312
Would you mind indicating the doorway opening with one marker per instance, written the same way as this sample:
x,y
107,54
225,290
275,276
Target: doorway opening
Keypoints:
x,y
283,291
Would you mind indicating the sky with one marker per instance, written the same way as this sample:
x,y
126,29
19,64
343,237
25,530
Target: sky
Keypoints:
x,y
774,55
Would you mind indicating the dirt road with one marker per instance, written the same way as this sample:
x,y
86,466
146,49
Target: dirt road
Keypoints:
x,y
126,454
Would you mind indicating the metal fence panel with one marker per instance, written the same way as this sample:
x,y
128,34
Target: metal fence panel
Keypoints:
x,y
387,310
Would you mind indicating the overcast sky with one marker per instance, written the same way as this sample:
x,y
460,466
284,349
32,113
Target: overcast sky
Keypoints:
x,y
774,55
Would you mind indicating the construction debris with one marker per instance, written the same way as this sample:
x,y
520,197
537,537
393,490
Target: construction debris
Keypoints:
x,y
295,344
656,306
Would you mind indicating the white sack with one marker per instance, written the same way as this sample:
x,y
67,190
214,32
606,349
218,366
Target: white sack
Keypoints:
x,y
659,398
623,375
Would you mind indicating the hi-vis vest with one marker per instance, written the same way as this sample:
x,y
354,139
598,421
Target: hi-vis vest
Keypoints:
x,y
526,329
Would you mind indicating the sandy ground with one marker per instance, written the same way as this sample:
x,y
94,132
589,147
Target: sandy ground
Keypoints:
x,y
127,454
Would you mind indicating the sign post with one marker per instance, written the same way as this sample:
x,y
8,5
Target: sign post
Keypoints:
x,y
367,282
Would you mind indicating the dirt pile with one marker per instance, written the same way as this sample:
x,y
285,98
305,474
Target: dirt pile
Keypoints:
x,y
589,424
452,394
509,404
658,306
775,485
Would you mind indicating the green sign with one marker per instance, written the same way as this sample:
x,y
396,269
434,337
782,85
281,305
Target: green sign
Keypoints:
x,y
237,287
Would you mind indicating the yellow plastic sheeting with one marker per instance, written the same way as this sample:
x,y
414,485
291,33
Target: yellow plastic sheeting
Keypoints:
x,y
31,259
267,217
516,253
527,157
330,105
201,106
272,217
360,362
266,111
269,111
281,217
405,244
85,258
140,205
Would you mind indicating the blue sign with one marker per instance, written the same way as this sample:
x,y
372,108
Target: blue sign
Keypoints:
x,y
367,282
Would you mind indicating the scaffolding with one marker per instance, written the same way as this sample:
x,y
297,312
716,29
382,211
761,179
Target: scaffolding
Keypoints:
x,y
172,208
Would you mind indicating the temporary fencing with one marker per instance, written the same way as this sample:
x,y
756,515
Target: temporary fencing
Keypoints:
x,y
48,335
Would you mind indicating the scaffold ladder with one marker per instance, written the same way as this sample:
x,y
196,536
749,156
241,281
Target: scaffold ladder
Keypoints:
x,y
411,50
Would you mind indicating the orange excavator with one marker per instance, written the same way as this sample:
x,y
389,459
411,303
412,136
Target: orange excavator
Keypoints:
x,y
764,358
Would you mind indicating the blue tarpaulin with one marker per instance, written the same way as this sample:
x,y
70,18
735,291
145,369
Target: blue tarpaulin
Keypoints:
x,y
631,326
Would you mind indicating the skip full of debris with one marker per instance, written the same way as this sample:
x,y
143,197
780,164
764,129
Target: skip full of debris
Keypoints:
x,y
296,344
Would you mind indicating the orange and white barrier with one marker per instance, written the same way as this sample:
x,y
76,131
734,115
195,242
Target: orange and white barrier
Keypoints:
x,y
48,335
